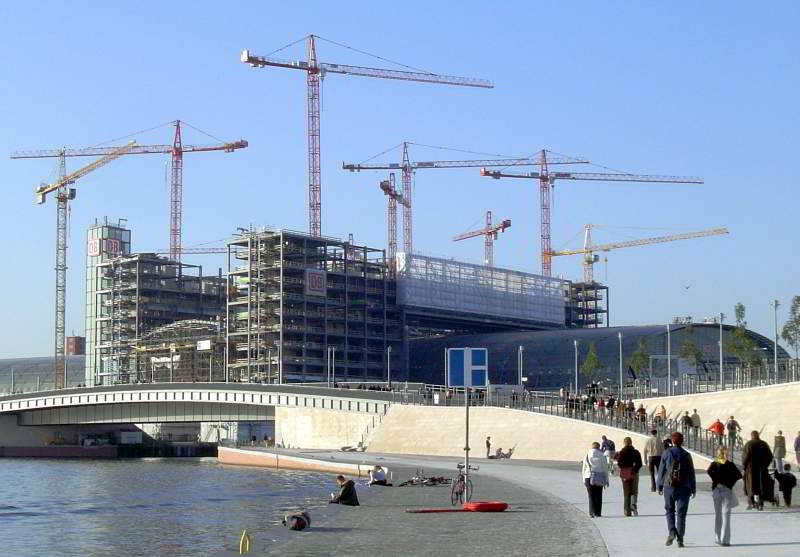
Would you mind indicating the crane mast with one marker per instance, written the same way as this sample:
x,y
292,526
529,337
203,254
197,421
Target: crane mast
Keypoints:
x,y
315,73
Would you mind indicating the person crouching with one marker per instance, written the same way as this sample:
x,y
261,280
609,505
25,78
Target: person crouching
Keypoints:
x,y
347,492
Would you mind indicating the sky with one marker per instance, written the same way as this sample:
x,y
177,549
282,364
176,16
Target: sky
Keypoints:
x,y
687,88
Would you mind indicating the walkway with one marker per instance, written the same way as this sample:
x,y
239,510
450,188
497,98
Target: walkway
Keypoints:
x,y
556,503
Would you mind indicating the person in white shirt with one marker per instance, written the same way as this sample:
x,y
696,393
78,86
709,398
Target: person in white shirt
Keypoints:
x,y
377,476
652,456
595,478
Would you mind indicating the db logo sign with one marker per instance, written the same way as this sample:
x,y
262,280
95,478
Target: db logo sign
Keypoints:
x,y
315,283
113,247
93,248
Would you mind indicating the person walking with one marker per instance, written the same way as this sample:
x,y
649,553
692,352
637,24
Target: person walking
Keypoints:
x,y
696,423
756,458
488,446
797,448
652,456
717,428
629,461
733,427
677,482
724,475
595,478
779,451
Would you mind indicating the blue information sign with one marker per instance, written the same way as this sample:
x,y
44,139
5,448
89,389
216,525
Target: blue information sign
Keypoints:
x,y
467,367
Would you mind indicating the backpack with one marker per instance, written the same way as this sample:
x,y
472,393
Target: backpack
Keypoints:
x,y
675,478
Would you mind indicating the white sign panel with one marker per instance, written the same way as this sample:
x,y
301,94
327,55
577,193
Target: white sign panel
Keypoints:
x,y
316,283
204,344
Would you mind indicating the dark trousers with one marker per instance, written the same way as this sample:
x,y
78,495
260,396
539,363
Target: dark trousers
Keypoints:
x,y
595,498
787,496
630,489
652,464
676,502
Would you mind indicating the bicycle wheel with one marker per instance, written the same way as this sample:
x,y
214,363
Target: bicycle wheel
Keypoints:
x,y
468,494
456,492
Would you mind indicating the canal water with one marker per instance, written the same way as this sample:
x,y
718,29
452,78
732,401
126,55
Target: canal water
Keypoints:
x,y
148,507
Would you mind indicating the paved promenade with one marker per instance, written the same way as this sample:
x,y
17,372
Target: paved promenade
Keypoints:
x,y
548,516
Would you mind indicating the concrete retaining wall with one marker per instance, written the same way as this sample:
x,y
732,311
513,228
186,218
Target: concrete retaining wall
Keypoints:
x,y
765,409
314,428
440,431
274,459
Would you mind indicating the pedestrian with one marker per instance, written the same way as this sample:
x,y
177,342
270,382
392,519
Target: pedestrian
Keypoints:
x,y
595,478
696,423
652,456
686,423
732,427
717,428
488,446
786,483
629,461
756,458
660,415
779,451
676,481
347,493
797,448
724,475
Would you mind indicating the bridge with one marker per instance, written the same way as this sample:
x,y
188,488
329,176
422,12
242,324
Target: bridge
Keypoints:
x,y
184,402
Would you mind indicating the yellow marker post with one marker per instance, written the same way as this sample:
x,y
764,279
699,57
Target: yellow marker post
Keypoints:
x,y
244,543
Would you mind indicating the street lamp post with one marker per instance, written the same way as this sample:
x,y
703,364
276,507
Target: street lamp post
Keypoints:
x,y
575,342
619,336
389,366
669,361
519,364
775,305
721,371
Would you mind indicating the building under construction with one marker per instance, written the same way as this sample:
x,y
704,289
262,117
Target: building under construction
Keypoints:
x,y
184,351
129,295
306,308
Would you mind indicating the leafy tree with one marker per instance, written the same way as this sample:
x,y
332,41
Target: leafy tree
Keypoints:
x,y
791,329
690,351
740,345
591,363
640,359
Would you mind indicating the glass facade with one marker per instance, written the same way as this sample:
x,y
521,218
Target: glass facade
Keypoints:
x,y
104,241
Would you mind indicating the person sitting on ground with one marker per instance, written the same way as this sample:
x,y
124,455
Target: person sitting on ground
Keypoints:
x,y
377,476
347,493
296,521
786,483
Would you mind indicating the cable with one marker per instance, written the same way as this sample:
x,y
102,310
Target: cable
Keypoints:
x,y
374,56
134,133
464,151
381,153
288,45
204,133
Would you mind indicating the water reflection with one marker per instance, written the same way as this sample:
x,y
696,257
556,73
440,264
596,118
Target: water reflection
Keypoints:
x,y
144,507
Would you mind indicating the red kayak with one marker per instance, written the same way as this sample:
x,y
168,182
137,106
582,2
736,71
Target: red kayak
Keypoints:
x,y
485,506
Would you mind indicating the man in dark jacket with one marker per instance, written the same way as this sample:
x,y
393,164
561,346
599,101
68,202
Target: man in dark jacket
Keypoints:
x,y
676,480
756,458
629,461
347,492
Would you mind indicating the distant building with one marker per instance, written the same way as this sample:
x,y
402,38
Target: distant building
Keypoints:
x,y
76,346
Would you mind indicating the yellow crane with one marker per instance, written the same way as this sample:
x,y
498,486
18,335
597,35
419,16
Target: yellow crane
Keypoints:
x,y
63,196
590,258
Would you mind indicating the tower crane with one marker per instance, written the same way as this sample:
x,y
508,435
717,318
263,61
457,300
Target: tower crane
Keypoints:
x,y
408,168
547,181
390,190
489,232
63,196
590,258
176,150
316,71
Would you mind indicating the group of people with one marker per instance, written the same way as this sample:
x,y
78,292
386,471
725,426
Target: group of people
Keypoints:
x,y
672,475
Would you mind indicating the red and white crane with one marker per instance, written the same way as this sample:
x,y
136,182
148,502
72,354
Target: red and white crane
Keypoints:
x,y
176,150
408,168
489,232
316,72
390,190
547,181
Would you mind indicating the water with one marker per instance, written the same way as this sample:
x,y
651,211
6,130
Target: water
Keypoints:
x,y
148,507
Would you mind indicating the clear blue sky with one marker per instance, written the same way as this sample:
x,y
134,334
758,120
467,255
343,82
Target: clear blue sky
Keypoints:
x,y
701,88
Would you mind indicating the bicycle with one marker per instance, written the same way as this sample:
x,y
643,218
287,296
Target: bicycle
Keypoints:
x,y
462,486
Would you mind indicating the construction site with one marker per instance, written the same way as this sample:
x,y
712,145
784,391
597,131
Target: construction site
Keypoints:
x,y
292,306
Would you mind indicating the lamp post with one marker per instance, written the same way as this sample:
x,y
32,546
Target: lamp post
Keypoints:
x,y
519,364
619,336
575,342
669,361
775,305
721,372
389,366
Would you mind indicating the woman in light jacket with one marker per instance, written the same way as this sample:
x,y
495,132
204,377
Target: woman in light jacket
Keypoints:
x,y
724,475
595,478
779,451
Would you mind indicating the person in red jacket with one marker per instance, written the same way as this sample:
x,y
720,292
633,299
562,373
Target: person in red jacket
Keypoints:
x,y
717,428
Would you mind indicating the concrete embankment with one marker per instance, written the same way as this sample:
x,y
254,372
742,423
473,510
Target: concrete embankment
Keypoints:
x,y
265,458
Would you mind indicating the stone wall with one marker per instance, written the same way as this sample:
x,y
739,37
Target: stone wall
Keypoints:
x,y
315,428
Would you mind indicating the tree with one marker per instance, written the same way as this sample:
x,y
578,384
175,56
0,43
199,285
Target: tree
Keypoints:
x,y
690,351
591,363
740,345
791,329
640,359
